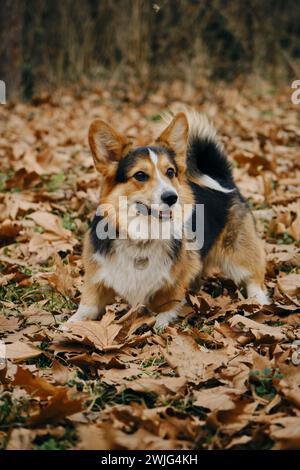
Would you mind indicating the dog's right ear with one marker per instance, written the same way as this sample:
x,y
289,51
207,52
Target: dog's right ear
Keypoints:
x,y
175,137
107,146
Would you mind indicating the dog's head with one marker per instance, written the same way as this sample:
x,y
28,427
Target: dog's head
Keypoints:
x,y
151,178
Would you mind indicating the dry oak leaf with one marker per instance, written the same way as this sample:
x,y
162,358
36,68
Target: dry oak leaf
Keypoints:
x,y
34,385
136,415
51,223
21,179
289,385
105,437
235,375
20,351
120,376
234,420
5,279
64,403
61,278
161,386
238,441
259,330
12,261
260,362
8,324
10,229
282,254
43,247
286,432
217,398
61,373
99,334
257,163
173,427
186,357
60,401
289,285
161,421
22,439
105,334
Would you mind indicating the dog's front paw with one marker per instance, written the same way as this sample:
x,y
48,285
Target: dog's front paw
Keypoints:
x,y
255,291
63,327
164,319
160,325
73,319
83,313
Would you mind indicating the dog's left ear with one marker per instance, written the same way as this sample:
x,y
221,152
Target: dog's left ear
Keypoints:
x,y
107,146
175,136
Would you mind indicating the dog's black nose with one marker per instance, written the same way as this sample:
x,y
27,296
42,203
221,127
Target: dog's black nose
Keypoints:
x,y
169,198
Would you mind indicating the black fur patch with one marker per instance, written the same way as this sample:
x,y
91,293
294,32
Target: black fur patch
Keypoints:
x,y
206,157
216,208
125,164
102,246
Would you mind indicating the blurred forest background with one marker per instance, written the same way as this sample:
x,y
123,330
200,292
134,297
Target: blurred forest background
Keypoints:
x,y
44,43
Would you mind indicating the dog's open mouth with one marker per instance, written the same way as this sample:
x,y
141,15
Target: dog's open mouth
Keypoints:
x,y
162,215
165,214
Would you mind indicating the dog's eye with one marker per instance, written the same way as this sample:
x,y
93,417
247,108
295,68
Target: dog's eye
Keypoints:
x,y
170,173
141,176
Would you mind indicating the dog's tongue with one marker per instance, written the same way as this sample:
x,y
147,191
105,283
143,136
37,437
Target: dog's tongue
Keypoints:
x,y
165,214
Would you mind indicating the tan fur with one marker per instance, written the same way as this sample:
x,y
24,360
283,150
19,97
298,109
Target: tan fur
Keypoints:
x,y
93,294
238,246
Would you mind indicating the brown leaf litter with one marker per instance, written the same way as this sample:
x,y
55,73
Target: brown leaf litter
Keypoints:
x,y
226,376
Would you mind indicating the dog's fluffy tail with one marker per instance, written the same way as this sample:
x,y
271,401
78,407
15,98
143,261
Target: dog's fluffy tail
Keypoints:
x,y
206,160
205,155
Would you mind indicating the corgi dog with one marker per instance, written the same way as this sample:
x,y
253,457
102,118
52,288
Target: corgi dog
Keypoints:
x,y
185,167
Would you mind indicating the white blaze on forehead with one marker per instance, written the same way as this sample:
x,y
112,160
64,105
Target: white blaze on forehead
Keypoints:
x,y
154,157
162,184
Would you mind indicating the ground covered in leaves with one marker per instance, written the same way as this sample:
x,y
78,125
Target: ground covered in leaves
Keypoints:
x,y
228,374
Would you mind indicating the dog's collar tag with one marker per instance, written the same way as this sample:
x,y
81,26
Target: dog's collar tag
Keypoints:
x,y
141,263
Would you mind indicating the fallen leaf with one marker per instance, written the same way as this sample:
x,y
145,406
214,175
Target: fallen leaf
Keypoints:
x,y
61,278
60,405
290,284
108,333
51,223
190,361
286,433
259,330
20,351
34,385
218,398
61,373
162,386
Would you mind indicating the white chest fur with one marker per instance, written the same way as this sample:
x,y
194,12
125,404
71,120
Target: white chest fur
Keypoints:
x,y
132,280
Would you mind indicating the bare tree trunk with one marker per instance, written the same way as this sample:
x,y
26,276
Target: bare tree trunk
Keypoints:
x,y
11,20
